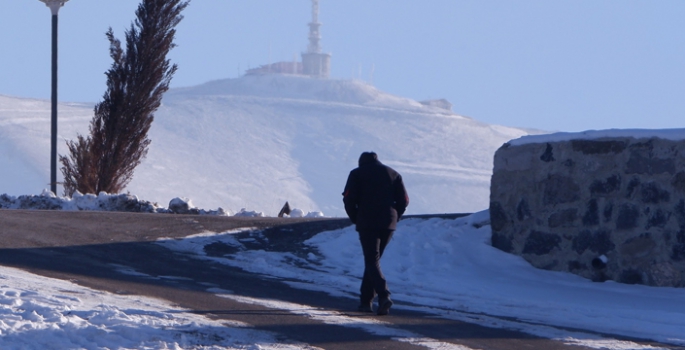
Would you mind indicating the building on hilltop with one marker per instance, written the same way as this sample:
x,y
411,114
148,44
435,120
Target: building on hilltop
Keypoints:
x,y
277,68
315,63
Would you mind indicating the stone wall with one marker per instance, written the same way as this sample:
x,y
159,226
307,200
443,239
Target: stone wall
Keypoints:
x,y
605,209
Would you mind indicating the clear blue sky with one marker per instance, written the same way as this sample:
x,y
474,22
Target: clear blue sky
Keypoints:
x,y
565,65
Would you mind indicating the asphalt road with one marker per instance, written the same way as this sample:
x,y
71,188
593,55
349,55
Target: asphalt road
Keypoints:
x,y
85,247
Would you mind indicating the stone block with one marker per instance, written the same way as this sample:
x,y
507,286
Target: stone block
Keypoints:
x,y
598,147
651,193
563,218
598,242
523,210
591,217
641,164
560,189
541,243
628,215
678,182
659,218
548,156
610,185
498,217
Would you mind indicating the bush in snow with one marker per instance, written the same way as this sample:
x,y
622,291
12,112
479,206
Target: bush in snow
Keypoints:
x,y
42,202
246,213
124,203
299,213
103,202
182,206
296,213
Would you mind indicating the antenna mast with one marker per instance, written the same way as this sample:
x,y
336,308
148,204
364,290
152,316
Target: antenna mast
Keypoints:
x,y
314,34
315,63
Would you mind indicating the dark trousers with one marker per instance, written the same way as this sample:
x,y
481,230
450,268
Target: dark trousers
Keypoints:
x,y
373,244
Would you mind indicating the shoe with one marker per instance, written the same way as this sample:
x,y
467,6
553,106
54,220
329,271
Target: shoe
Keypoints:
x,y
384,306
365,307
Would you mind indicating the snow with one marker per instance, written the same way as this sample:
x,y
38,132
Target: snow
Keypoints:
x,y
127,203
44,313
449,268
259,141
249,213
102,202
667,134
373,326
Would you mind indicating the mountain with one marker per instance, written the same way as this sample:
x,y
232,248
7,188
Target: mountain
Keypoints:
x,y
258,141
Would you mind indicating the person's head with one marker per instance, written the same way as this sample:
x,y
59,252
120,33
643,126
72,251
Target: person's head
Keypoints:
x,y
368,157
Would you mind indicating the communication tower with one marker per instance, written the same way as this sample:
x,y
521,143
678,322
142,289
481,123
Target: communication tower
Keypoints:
x,y
314,62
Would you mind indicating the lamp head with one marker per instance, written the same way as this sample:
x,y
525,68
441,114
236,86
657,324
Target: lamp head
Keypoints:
x,y
54,5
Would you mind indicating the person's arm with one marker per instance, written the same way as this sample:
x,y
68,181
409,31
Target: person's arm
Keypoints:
x,y
351,197
401,197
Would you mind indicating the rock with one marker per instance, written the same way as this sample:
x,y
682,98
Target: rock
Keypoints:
x,y
285,210
180,205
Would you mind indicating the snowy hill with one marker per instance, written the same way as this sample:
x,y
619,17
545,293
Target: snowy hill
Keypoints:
x,y
259,141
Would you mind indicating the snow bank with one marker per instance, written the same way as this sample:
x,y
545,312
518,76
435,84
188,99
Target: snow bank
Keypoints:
x,y
126,203
102,202
299,213
247,213
37,312
666,134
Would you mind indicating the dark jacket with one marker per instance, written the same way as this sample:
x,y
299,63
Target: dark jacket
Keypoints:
x,y
374,197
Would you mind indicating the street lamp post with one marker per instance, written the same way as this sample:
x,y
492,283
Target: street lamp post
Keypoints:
x,y
54,6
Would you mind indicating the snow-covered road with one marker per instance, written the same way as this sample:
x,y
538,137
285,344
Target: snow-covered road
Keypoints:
x,y
440,267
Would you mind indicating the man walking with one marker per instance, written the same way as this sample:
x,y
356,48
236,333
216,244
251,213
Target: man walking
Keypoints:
x,y
375,198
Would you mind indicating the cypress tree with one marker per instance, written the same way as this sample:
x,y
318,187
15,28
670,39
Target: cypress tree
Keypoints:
x,y
136,81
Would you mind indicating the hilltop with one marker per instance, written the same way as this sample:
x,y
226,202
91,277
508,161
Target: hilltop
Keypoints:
x,y
257,141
